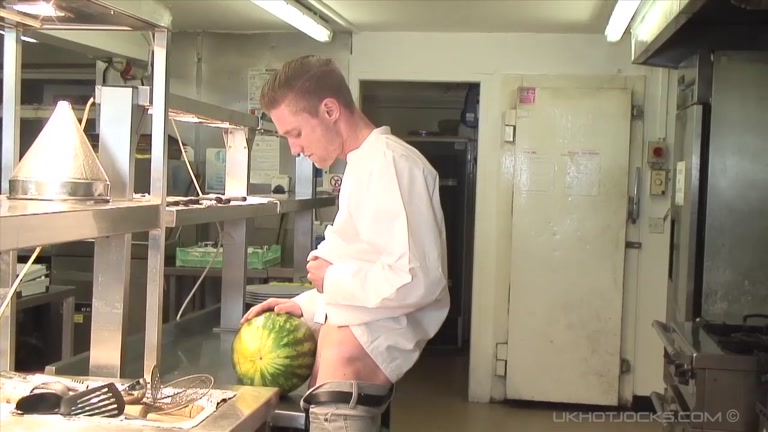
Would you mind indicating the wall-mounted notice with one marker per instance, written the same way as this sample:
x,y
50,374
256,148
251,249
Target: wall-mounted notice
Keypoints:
x,y
265,159
680,183
256,79
527,95
215,170
537,172
582,173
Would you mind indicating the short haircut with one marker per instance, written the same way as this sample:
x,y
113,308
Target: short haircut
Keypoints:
x,y
303,84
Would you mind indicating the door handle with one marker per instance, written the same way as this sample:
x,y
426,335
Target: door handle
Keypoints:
x,y
633,212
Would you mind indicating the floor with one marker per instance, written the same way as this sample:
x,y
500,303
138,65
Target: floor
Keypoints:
x,y
433,398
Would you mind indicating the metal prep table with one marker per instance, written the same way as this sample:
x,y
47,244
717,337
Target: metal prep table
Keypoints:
x,y
191,346
178,348
246,412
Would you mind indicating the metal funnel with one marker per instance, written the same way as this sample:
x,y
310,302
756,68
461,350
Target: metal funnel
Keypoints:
x,y
61,164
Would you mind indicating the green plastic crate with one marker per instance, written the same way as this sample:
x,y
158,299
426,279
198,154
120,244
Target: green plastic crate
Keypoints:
x,y
259,257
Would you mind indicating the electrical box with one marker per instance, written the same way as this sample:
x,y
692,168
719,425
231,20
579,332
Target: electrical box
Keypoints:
x,y
657,153
658,182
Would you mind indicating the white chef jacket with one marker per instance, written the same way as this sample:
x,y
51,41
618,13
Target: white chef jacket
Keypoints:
x,y
387,247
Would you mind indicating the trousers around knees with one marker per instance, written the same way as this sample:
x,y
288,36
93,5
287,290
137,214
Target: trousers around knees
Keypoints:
x,y
345,406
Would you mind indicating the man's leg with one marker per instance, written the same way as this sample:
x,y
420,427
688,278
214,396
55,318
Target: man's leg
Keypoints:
x,y
346,406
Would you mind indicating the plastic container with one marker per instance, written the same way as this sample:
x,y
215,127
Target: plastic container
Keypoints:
x,y
259,257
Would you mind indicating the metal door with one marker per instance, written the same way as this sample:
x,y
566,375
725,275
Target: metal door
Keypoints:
x,y
684,255
454,160
568,240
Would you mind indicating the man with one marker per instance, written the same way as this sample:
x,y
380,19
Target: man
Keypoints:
x,y
380,290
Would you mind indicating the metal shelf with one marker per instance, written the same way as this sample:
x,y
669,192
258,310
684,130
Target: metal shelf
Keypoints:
x,y
43,112
254,207
180,216
146,15
26,224
181,107
301,204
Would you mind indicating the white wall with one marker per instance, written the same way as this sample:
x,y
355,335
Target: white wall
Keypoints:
x,y
486,58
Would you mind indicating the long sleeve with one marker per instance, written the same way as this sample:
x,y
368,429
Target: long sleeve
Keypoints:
x,y
308,302
393,212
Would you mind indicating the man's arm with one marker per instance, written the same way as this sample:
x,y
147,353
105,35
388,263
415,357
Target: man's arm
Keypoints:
x,y
395,216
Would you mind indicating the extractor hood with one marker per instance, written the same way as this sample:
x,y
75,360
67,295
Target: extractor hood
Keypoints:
x,y
665,33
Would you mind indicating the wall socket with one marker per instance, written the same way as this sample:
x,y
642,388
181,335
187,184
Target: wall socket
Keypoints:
x,y
656,225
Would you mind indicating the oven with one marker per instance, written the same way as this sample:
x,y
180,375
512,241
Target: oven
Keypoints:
x,y
713,376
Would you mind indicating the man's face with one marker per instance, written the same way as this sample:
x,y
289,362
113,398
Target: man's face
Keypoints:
x,y
315,137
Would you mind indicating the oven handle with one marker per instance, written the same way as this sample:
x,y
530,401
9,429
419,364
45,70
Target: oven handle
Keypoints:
x,y
658,405
663,331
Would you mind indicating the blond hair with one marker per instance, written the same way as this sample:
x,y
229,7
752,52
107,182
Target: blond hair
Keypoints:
x,y
303,84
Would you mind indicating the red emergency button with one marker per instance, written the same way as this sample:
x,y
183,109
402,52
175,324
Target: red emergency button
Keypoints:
x,y
658,152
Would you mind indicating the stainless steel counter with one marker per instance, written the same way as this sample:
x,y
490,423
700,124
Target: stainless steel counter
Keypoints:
x,y
256,206
249,411
25,224
191,346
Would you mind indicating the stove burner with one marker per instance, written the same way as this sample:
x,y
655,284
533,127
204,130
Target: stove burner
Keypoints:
x,y
738,339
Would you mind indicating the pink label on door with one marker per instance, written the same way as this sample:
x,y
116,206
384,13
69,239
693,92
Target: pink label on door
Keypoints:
x,y
527,95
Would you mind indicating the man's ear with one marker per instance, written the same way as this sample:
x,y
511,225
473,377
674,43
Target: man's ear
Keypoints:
x,y
330,109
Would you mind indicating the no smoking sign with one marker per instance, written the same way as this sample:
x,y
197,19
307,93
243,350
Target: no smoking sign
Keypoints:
x,y
335,182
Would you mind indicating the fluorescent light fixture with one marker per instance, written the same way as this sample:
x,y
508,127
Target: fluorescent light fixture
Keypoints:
x,y
298,17
620,18
24,38
39,8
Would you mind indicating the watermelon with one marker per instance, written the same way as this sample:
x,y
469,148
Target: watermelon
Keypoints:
x,y
274,350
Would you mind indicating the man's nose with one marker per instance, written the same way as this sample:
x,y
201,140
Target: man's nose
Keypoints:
x,y
296,149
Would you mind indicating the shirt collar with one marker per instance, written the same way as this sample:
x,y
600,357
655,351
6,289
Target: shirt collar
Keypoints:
x,y
373,136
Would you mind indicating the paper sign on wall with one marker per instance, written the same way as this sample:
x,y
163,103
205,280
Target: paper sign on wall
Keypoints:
x,y
537,172
582,173
215,170
256,79
265,159
680,183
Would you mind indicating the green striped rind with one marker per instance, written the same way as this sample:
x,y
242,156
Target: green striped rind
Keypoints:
x,y
274,350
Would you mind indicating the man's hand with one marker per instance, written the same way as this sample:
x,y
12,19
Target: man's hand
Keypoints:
x,y
316,268
279,305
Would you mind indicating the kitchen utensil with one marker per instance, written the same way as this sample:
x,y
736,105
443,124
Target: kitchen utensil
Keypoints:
x,y
101,401
74,384
59,388
44,402
140,412
181,393
154,384
135,391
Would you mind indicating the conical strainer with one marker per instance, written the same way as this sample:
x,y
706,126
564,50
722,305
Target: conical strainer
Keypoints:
x,y
60,165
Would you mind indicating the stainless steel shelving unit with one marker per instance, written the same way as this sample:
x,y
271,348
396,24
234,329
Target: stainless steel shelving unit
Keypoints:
x,y
28,224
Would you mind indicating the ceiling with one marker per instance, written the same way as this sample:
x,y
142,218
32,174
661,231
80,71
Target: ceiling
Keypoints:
x,y
483,16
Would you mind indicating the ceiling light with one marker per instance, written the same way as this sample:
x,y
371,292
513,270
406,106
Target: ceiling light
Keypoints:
x,y
39,8
24,38
620,18
298,17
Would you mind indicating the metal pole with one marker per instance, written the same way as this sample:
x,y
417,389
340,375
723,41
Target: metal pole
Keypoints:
x,y
234,235
159,168
10,158
119,116
11,104
304,219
